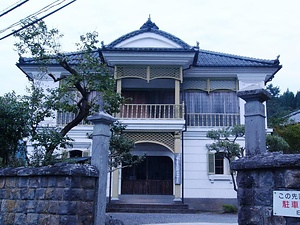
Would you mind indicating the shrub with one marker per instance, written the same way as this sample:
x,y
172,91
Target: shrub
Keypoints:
x,y
228,208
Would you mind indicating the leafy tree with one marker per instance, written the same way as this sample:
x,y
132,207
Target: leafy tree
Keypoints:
x,y
225,143
89,82
276,143
120,148
14,116
290,133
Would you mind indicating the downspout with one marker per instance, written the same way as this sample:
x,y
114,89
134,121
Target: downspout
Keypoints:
x,y
185,126
182,157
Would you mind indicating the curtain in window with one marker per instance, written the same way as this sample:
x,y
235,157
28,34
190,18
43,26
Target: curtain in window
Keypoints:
x,y
214,102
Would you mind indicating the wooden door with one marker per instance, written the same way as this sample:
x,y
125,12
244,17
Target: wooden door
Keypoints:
x,y
154,176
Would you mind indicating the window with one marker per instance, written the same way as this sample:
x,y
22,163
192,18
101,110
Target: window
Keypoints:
x,y
218,168
215,163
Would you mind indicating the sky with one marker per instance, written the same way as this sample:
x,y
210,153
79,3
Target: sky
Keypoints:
x,y
260,29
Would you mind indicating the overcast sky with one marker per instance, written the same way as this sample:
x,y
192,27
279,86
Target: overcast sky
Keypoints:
x,y
254,28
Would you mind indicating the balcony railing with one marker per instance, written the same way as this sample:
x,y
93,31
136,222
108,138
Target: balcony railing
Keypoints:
x,y
164,111
151,111
212,119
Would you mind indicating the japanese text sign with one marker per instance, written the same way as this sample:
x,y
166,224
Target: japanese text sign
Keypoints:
x,y
286,203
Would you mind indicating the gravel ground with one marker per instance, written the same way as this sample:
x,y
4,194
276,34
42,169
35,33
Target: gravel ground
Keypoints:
x,y
156,218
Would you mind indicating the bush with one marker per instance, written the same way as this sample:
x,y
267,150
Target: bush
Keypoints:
x,y
229,208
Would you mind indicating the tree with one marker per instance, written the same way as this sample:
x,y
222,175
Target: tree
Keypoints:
x,y
225,143
276,143
89,82
13,127
290,133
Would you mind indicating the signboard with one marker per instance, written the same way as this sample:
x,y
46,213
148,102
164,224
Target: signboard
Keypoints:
x,y
286,203
177,168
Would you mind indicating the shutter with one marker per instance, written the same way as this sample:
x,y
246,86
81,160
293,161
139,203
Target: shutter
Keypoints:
x,y
211,163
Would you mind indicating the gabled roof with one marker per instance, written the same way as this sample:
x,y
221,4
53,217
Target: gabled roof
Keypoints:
x,y
148,27
199,57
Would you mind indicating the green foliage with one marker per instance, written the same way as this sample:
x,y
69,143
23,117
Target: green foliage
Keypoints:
x,y
225,141
276,143
120,148
88,88
291,134
14,116
228,208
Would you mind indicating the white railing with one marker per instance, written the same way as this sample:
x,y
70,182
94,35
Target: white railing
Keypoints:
x,y
151,111
212,119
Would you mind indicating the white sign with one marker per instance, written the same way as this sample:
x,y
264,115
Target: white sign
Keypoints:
x,y
286,203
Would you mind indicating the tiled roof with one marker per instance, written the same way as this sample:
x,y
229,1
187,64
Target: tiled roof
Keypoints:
x,y
151,27
210,58
203,58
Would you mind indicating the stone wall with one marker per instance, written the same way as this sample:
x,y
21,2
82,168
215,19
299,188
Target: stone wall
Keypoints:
x,y
62,194
257,178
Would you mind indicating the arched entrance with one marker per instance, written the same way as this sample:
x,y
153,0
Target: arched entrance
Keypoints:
x,y
153,176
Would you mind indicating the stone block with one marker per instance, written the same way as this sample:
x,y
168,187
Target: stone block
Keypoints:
x,y
34,182
251,215
32,219
86,208
31,206
14,193
23,182
76,182
8,219
90,195
53,207
59,194
68,208
2,182
85,220
44,219
50,193
88,183
67,220
265,179
20,206
263,196
42,207
20,218
40,193
245,196
292,179
10,182
52,182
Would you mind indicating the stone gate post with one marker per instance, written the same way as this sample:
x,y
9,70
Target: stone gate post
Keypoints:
x,y
100,149
260,175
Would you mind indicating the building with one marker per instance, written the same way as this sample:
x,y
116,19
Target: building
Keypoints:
x,y
178,93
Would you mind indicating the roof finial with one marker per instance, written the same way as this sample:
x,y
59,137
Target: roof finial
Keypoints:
x,y
149,25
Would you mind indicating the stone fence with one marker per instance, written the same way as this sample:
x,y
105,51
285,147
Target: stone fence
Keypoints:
x,y
257,178
62,194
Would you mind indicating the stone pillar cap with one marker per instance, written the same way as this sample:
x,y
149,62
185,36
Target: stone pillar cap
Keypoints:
x,y
260,95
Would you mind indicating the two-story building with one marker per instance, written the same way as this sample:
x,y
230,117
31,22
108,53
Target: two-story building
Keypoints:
x,y
178,93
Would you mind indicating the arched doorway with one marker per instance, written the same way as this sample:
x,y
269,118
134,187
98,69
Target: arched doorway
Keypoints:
x,y
153,176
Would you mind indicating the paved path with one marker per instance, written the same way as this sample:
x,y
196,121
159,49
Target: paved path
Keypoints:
x,y
176,219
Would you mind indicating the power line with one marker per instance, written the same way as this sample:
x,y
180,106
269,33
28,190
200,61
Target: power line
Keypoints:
x,y
12,7
37,20
44,9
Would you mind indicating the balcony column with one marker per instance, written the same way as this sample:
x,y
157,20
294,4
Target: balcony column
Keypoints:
x,y
115,185
177,167
177,92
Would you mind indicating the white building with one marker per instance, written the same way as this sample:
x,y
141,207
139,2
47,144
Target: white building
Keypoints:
x,y
178,92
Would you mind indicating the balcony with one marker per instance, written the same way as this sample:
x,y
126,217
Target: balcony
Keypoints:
x,y
151,111
164,112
